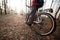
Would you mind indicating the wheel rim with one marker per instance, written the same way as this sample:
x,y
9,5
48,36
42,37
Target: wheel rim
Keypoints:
x,y
47,25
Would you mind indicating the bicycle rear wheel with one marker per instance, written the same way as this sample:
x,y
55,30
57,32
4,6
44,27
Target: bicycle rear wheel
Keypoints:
x,y
46,26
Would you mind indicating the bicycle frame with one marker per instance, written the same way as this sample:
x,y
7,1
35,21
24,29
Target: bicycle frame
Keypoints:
x,y
57,13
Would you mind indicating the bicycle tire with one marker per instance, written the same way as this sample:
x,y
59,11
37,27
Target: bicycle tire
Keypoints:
x,y
53,27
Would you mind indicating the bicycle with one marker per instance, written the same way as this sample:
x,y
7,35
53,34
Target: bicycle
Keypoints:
x,y
44,23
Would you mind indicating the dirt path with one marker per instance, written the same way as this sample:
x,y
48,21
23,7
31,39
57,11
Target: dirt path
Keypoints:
x,y
14,28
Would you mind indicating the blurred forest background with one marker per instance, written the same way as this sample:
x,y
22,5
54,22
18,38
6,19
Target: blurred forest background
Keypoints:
x,y
17,6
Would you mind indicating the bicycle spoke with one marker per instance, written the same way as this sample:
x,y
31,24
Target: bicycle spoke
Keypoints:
x,y
46,26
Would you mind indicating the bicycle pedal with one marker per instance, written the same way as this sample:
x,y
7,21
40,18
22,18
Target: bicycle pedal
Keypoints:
x,y
36,22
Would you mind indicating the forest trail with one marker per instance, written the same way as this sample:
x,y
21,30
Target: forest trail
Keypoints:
x,y
13,27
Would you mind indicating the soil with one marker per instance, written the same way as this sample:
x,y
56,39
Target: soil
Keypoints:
x,y
13,27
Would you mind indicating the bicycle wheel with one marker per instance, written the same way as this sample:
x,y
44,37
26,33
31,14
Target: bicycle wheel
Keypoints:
x,y
46,26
